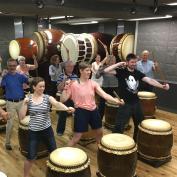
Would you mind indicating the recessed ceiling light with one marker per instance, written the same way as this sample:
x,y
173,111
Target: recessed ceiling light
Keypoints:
x,y
84,23
150,18
172,4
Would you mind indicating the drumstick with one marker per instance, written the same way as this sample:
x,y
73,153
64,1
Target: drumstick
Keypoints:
x,y
117,96
101,42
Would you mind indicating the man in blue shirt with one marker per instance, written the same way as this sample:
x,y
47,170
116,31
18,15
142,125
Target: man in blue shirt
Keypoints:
x,y
12,82
148,67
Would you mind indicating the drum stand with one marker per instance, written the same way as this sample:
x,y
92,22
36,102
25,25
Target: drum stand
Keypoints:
x,y
99,174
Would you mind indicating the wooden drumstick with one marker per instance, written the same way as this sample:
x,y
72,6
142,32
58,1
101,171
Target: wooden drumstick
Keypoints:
x,y
117,96
101,42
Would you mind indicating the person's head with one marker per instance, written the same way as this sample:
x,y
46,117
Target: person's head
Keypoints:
x,y
38,85
85,70
54,60
131,60
111,60
21,60
145,55
69,67
98,58
11,65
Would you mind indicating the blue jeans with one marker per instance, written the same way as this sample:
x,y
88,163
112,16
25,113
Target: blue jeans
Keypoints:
x,y
123,115
62,115
46,135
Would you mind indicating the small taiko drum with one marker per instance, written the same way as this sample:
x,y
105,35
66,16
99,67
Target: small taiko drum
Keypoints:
x,y
121,45
148,103
117,156
23,46
80,46
23,136
2,174
68,162
47,41
155,140
2,121
110,115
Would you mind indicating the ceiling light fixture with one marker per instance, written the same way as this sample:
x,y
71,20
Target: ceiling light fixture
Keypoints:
x,y
40,4
84,23
172,4
60,17
150,18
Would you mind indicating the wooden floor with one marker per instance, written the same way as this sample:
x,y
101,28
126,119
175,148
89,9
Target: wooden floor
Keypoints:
x,y
11,162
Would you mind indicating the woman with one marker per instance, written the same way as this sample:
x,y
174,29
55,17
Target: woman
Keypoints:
x,y
82,92
38,105
55,69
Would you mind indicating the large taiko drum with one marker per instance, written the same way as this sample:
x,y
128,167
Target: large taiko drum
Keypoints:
x,y
117,156
122,45
47,41
68,162
2,174
23,46
110,115
23,136
2,121
81,47
155,140
148,103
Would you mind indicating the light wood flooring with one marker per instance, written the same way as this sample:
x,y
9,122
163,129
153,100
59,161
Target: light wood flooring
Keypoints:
x,y
11,162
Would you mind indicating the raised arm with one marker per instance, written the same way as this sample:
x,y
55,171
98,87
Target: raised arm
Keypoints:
x,y
117,65
155,83
35,65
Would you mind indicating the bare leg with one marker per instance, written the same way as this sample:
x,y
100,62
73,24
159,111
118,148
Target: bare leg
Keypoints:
x,y
75,139
27,167
99,134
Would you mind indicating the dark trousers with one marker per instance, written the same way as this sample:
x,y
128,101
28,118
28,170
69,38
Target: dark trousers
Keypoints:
x,y
62,115
101,106
123,115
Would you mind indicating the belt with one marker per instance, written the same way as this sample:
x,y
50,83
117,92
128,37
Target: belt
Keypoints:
x,y
17,100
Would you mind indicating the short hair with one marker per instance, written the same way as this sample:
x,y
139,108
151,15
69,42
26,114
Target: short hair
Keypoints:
x,y
19,58
144,51
36,80
83,65
11,60
68,62
131,56
53,58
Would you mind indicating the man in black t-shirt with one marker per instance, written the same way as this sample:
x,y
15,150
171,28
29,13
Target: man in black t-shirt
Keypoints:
x,y
129,78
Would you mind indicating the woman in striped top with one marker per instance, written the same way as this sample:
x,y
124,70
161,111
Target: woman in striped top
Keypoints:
x,y
40,128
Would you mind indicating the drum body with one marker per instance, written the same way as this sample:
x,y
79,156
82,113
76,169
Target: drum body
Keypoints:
x,y
23,137
117,156
2,121
155,140
81,47
47,41
110,115
68,162
2,174
121,45
148,103
23,46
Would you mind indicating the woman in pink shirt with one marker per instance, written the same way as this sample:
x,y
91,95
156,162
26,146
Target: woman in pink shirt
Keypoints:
x,y
82,92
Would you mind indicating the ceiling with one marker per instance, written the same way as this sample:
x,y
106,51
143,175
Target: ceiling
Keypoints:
x,y
101,10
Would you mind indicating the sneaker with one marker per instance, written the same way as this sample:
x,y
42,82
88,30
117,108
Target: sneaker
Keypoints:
x,y
8,147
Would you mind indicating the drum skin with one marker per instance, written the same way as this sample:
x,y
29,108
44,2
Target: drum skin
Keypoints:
x,y
48,41
23,46
121,45
116,163
23,137
110,115
154,147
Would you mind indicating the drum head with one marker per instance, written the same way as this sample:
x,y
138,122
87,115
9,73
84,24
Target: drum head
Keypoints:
x,y
144,94
68,157
70,42
156,125
116,141
2,174
2,102
25,121
37,37
14,49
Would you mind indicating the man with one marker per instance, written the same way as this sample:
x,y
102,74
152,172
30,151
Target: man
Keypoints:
x,y
129,79
12,83
66,75
148,67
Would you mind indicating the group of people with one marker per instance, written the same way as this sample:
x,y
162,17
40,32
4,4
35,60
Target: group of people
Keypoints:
x,y
78,96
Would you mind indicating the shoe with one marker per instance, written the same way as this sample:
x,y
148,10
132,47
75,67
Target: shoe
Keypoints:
x,y
8,147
